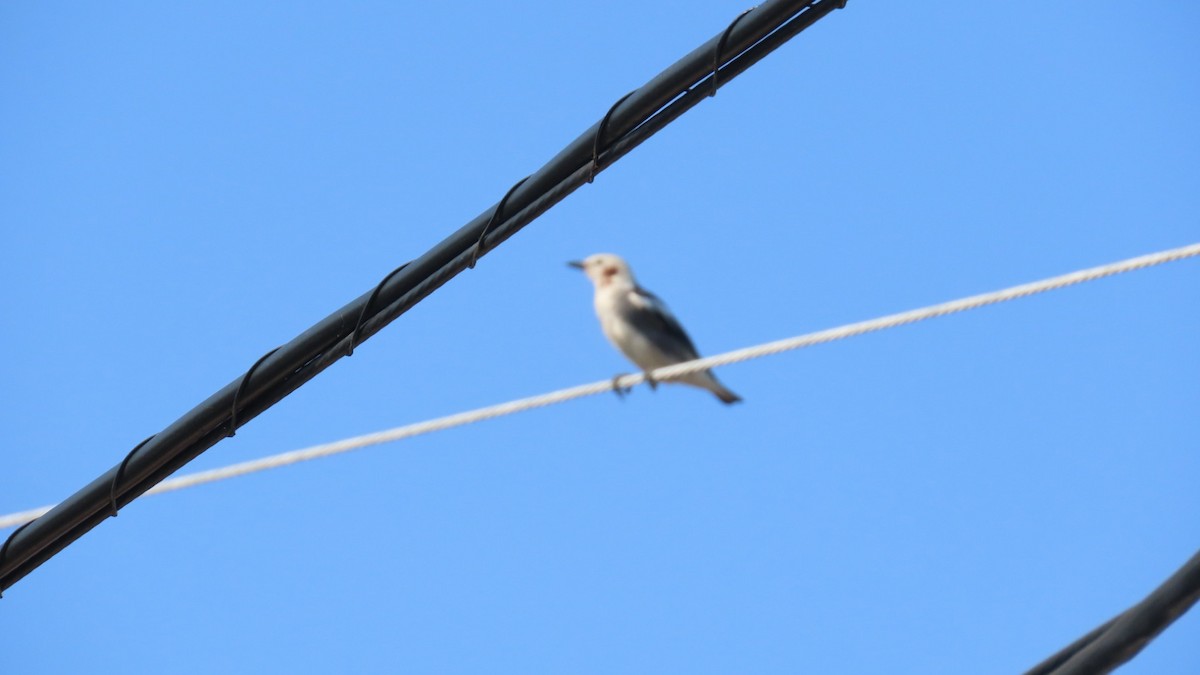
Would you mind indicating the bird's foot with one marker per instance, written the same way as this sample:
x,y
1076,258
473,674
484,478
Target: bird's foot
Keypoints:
x,y
650,381
617,388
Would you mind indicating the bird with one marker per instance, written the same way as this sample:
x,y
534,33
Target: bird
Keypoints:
x,y
640,326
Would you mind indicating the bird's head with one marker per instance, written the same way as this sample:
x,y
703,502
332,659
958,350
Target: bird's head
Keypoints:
x,y
605,269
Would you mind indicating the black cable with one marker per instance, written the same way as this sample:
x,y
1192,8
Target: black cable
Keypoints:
x,y
618,149
641,114
1122,637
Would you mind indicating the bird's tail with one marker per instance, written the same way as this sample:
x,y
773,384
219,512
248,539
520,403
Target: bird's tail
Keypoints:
x,y
707,380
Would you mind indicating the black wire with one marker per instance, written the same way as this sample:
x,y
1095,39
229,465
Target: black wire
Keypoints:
x,y
616,150
600,133
112,487
1120,639
719,52
238,393
367,307
643,113
496,213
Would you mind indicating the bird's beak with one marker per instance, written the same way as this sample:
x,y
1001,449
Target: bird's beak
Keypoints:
x,y
576,264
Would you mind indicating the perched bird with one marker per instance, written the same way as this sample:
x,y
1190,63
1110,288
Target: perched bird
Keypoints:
x,y
640,325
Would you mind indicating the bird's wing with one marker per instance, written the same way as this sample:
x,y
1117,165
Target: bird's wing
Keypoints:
x,y
650,316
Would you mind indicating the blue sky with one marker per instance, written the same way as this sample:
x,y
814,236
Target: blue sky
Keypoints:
x,y
183,187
